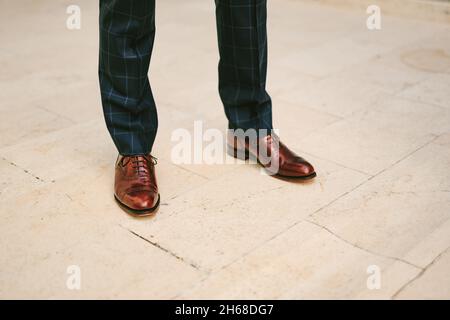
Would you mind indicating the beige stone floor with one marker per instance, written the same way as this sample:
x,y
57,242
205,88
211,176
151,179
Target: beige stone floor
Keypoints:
x,y
371,109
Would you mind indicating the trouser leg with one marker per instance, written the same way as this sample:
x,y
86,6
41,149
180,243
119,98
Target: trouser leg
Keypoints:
x,y
242,37
127,31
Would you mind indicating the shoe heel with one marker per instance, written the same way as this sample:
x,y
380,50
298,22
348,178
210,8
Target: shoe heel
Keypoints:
x,y
238,154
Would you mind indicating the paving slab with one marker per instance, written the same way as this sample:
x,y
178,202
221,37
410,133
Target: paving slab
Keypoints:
x,y
402,212
290,266
370,109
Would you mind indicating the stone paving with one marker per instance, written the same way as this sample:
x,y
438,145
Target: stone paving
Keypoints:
x,y
371,110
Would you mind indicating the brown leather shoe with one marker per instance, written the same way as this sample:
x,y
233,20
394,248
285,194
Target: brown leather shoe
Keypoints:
x,y
135,187
275,157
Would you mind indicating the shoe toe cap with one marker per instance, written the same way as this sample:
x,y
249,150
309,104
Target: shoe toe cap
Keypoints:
x,y
141,200
299,168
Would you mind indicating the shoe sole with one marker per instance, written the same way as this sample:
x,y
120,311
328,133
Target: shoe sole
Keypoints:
x,y
138,213
245,155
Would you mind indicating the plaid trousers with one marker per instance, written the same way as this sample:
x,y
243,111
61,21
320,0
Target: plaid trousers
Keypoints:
x,y
127,31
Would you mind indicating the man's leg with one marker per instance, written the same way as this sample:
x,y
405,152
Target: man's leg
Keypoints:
x,y
242,37
127,31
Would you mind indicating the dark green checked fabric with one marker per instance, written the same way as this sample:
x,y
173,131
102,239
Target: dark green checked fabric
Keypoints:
x,y
127,31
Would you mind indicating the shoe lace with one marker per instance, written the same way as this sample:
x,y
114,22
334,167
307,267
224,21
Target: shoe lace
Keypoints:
x,y
142,165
